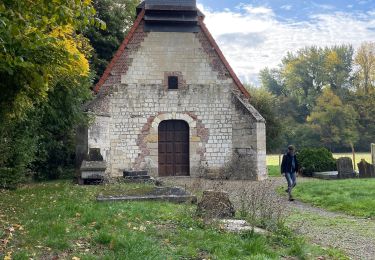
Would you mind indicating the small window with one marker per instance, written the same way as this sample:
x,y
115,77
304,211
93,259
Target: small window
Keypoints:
x,y
172,82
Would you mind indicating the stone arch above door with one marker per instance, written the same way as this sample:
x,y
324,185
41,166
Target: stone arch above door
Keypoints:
x,y
172,116
148,141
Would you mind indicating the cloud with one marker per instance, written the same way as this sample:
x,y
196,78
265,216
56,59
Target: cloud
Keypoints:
x,y
286,7
323,6
252,37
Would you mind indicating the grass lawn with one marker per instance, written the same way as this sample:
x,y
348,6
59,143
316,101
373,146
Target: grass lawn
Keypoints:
x,y
62,220
273,170
352,196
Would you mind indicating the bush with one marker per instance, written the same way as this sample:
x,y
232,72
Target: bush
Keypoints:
x,y
10,178
316,160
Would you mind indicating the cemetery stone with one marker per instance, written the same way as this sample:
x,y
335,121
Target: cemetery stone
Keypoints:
x,y
366,170
215,204
93,168
345,168
373,153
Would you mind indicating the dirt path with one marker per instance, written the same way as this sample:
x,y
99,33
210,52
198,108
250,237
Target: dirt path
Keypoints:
x,y
354,236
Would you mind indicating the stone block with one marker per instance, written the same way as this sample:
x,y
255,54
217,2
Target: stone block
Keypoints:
x,y
195,139
345,168
152,138
366,170
215,204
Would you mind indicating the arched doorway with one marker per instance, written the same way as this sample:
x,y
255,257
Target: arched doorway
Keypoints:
x,y
173,148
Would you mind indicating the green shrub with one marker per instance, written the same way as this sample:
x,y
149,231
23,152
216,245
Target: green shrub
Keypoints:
x,y
316,160
10,178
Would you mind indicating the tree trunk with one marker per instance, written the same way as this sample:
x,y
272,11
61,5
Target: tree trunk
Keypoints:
x,y
353,152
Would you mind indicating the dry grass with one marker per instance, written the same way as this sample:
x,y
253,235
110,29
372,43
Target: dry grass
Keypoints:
x,y
256,201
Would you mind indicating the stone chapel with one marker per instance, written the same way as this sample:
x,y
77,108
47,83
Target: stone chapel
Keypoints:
x,y
169,102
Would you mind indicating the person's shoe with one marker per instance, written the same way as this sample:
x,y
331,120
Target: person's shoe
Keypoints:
x,y
287,190
291,198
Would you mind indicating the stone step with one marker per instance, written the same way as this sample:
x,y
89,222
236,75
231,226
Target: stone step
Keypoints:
x,y
140,177
135,173
170,198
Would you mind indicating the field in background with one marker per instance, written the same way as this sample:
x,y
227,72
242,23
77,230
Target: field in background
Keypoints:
x,y
273,159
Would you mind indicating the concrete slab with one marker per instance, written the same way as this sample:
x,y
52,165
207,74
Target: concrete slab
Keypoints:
x,y
333,175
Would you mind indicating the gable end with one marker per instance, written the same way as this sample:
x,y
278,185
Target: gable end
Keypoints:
x,y
129,37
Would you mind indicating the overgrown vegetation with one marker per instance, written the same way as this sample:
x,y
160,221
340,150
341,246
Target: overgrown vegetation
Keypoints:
x,y
47,67
58,219
352,196
316,160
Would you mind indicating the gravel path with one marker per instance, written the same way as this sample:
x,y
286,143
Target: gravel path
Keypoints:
x,y
355,236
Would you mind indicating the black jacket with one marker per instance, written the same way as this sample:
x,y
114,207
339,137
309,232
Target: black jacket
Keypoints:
x,y
286,164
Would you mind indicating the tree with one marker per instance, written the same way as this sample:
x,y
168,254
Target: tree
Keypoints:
x,y
364,105
338,67
41,51
39,41
270,80
365,60
303,75
335,122
267,105
118,16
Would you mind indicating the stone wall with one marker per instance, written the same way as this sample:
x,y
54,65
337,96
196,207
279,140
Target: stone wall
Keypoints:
x,y
249,138
205,100
99,135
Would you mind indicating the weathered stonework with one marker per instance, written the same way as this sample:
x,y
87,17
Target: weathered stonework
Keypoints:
x,y
134,100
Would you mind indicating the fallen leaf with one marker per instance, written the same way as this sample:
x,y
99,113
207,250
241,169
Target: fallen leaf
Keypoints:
x,y
8,256
142,228
78,215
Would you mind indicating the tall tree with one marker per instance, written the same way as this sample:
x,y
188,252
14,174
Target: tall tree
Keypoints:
x,y
337,69
335,122
268,105
118,16
41,51
270,80
38,42
365,60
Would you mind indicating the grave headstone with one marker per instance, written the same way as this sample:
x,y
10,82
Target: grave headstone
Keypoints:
x,y
94,155
93,168
366,170
373,153
345,168
215,204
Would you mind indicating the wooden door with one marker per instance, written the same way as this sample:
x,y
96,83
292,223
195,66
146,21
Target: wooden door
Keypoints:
x,y
173,148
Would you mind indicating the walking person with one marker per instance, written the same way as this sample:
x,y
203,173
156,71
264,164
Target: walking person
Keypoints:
x,y
289,168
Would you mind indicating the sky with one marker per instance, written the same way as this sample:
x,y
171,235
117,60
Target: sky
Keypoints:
x,y
259,33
